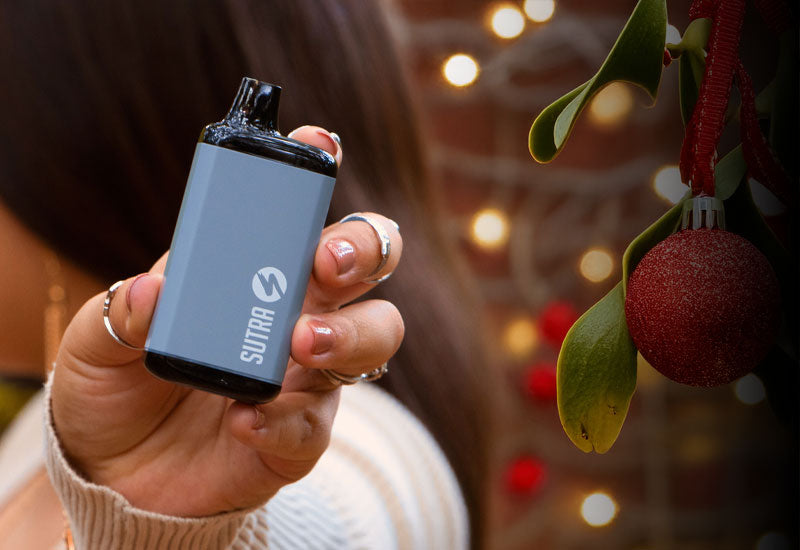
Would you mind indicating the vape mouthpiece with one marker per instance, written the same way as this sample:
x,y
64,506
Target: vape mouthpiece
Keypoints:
x,y
256,105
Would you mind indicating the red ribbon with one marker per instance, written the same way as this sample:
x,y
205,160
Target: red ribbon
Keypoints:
x,y
698,154
762,163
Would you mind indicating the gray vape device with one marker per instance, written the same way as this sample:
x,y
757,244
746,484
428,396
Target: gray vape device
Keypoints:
x,y
241,255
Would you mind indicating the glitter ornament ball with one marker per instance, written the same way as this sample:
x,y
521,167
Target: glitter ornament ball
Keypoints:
x,y
703,307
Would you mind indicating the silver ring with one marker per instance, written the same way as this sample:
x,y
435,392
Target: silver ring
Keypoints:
x,y
383,235
112,290
341,379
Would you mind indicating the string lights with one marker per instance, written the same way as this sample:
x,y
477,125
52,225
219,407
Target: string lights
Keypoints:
x,y
668,185
539,10
673,34
611,105
507,21
460,70
749,389
521,337
489,228
598,509
596,265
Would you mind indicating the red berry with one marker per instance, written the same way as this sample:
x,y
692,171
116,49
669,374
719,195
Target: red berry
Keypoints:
x,y
525,475
555,321
540,381
703,307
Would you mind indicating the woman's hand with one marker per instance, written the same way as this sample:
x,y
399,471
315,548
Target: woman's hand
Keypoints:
x,y
183,452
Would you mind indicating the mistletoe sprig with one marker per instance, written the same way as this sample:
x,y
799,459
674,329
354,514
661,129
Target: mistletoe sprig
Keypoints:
x,y
597,363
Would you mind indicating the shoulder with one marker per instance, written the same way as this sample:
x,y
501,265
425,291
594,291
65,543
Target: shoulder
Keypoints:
x,y
383,483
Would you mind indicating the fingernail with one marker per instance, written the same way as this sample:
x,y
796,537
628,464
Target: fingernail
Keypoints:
x,y
130,289
329,137
259,420
293,132
344,253
323,337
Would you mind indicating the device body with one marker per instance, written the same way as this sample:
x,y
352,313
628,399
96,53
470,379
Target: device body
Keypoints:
x,y
241,255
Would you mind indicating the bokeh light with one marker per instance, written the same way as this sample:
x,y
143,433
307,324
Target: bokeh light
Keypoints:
x,y
596,265
673,34
750,390
489,228
539,10
521,337
668,185
460,69
767,203
598,509
507,21
611,105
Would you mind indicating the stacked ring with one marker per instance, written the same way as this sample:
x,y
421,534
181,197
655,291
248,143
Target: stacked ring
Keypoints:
x,y
383,236
341,379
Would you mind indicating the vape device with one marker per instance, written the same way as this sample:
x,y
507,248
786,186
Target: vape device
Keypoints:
x,y
241,255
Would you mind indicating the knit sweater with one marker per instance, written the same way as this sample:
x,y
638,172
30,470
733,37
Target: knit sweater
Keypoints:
x,y
382,484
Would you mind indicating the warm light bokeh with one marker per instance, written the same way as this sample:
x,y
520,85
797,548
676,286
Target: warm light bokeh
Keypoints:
x,y
596,265
668,185
539,10
598,509
489,228
460,69
507,21
611,105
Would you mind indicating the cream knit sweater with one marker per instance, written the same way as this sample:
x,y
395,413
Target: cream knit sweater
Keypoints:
x,y
382,484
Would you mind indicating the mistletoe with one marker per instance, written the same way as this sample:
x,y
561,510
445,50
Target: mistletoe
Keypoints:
x,y
597,363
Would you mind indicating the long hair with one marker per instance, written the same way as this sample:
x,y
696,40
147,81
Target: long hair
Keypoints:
x,y
102,104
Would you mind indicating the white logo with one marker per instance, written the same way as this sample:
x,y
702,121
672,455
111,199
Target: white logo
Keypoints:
x,y
269,284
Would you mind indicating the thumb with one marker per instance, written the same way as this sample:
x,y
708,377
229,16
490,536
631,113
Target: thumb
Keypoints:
x,y
130,312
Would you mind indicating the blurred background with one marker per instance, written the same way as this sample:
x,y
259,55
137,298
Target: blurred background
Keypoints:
x,y
692,468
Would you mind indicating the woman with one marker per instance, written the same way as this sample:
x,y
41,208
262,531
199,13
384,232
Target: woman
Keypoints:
x,y
108,100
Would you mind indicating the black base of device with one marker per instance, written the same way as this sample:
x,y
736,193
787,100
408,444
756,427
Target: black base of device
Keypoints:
x,y
206,378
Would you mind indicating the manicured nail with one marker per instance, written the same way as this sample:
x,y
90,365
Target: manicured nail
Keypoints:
x,y
259,420
331,140
344,253
323,337
130,289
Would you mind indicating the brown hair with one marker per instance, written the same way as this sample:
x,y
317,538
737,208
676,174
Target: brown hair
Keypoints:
x,y
102,104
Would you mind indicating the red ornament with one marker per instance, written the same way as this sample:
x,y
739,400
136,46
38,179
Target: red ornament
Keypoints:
x,y
555,321
525,475
703,307
540,382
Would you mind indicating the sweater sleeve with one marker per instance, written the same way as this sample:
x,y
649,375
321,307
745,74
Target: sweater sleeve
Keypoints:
x,y
101,518
383,483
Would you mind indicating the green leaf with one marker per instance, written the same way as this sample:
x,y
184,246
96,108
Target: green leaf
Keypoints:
x,y
692,64
783,122
597,375
541,133
637,58
729,173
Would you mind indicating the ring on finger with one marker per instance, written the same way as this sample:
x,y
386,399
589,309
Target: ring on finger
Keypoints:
x,y
385,242
112,291
342,379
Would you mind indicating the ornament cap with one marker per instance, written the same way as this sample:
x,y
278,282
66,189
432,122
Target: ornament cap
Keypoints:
x,y
703,213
